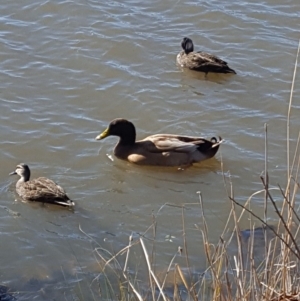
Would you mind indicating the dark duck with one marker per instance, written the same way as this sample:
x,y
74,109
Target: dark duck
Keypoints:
x,y
200,61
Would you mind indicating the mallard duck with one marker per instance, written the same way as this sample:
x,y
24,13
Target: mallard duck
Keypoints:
x,y
200,61
160,149
40,189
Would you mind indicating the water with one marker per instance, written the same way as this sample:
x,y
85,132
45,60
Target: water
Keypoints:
x,y
69,68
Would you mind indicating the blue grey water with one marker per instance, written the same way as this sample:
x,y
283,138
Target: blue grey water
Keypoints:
x,y
67,68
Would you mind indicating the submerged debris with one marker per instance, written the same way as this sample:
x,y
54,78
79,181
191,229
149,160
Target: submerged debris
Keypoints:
x,y
5,295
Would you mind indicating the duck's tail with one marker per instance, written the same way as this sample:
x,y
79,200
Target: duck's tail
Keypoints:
x,y
216,142
66,203
229,70
214,147
208,148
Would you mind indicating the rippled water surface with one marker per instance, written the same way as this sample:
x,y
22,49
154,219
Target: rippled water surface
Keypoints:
x,y
68,68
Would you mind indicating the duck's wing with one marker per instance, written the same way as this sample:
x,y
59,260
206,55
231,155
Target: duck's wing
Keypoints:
x,y
209,58
205,62
202,61
172,143
43,188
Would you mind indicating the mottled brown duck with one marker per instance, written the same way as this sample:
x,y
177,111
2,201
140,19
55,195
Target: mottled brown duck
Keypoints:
x,y
200,61
159,149
40,189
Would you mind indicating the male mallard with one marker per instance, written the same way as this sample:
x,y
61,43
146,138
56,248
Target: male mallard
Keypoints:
x,y
160,149
40,189
200,61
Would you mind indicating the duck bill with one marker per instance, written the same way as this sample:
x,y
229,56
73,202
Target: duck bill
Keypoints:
x,y
103,135
12,173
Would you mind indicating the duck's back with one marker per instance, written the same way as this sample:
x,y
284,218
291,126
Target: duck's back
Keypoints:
x,y
204,62
41,190
210,58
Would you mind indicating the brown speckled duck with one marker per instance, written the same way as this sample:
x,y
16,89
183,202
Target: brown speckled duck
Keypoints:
x,y
39,190
200,61
159,149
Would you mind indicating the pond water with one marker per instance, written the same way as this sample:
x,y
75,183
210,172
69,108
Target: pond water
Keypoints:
x,y
69,67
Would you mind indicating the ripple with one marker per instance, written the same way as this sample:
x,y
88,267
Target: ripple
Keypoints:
x,y
67,69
